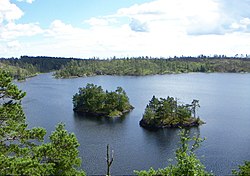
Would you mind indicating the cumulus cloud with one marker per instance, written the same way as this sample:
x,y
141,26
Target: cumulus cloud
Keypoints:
x,y
57,27
9,29
9,12
242,25
194,17
157,28
163,28
62,31
13,30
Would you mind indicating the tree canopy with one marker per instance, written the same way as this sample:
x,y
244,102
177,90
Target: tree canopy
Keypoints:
x,y
139,66
22,150
160,113
93,100
27,66
243,170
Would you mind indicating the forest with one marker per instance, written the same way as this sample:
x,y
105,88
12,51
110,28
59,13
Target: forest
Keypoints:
x,y
26,66
162,113
93,100
151,66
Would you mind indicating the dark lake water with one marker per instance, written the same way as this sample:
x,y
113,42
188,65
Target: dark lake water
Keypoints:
x,y
225,106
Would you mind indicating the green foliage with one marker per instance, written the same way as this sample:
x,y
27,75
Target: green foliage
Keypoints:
x,y
244,170
150,66
61,152
27,66
92,99
22,150
18,72
163,112
187,163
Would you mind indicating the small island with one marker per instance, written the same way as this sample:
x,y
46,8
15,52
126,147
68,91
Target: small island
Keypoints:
x,y
168,113
93,100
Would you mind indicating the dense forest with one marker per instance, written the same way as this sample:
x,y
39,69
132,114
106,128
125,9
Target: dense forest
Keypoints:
x,y
19,73
162,113
93,100
150,66
26,66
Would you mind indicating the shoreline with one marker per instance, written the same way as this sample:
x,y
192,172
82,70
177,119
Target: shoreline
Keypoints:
x,y
193,123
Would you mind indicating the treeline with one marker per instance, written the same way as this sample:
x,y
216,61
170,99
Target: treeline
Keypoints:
x,y
19,73
26,66
149,66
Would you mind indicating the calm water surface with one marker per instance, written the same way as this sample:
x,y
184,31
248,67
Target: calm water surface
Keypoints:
x,y
225,106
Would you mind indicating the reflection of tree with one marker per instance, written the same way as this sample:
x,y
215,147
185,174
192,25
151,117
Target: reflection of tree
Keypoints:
x,y
81,117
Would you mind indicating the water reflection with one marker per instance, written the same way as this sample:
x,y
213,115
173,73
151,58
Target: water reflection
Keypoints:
x,y
99,120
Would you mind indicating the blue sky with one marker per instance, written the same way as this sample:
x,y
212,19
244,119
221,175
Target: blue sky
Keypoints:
x,y
73,12
121,28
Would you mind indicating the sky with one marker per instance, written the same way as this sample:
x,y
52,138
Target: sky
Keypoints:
x,y
124,28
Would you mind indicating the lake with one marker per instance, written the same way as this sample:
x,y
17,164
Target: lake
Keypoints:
x,y
225,107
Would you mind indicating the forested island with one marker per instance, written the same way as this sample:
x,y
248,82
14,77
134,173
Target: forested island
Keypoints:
x,y
168,113
26,66
141,66
94,101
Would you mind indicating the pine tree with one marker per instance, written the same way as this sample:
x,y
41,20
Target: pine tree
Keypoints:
x,y
22,150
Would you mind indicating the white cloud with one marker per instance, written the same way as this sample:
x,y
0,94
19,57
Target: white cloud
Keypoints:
x,y
9,49
13,30
9,29
60,31
193,16
28,1
9,11
243,25
14,44
166,27
97,21
157,28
